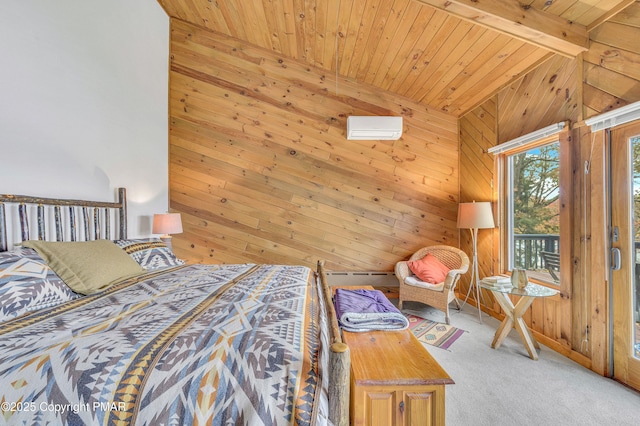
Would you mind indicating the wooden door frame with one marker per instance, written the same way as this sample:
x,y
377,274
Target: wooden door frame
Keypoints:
x,y
624,367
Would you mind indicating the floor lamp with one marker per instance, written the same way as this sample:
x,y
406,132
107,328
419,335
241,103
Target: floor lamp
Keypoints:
x,y
474,216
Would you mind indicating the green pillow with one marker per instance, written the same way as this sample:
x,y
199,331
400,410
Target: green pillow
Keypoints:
x,y
87,266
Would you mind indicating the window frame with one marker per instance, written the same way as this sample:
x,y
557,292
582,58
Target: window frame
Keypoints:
x,y
505,200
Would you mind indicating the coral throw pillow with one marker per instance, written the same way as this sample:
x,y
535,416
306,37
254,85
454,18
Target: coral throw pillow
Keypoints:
x,y
429,269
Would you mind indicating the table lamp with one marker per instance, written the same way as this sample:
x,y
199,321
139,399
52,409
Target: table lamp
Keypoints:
x,y
474,216
167,223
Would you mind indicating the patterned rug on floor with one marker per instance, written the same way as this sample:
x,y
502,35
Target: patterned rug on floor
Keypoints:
x,y
434,333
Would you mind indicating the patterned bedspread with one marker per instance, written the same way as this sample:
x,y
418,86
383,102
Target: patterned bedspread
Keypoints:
x,y
202,344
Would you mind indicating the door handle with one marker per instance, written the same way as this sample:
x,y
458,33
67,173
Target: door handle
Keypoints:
x,y
615,259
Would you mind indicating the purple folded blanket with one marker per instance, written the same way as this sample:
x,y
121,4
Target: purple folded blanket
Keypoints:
x,y
366,310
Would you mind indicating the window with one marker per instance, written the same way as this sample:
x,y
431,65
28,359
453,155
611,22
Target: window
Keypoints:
x,y
635,284
532,211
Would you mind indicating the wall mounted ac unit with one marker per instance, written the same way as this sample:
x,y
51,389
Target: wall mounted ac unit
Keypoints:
x,y
374,128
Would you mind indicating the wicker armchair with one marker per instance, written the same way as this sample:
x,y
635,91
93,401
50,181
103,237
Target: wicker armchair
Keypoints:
x,y
437,296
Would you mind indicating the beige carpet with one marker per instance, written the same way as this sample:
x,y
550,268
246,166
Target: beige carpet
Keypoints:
x,y
504,386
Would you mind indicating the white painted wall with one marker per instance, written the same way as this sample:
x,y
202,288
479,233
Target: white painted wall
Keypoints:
x,y
83,105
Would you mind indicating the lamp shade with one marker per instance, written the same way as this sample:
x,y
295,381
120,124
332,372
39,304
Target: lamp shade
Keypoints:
x,y
475,215
167,223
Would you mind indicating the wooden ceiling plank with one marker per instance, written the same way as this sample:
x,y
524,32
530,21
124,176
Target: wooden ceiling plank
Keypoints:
x,y
203,15
175,9
528,24
495,73
395,32
342,28
258,26
437,55
479,68
233,19
404,43
618,36
556,7
453,66
299,30
216,20
322,25
274,18
286,14
524,59
309,20
424,49
578,9
185,10
628,16
382,29
349,33
463,105
390,48
598,18
539,4
360,48
330,34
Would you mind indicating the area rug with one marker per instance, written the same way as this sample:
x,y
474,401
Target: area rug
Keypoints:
x,y
434,333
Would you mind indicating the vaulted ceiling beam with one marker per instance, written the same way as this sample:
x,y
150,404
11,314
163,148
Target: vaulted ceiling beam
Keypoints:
x,y
523,22
610,14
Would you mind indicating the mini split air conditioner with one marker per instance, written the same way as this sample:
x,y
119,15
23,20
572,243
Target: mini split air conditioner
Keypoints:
x,y
374,128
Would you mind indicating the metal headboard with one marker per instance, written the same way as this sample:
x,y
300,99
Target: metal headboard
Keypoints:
x,y
96,217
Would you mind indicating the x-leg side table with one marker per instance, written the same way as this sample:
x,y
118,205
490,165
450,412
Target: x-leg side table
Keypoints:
x,y
514,313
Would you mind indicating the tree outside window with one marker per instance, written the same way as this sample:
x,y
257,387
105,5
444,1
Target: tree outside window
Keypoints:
x,y
534,213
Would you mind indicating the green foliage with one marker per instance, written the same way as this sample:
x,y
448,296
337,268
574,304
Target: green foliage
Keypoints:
x,y
536,189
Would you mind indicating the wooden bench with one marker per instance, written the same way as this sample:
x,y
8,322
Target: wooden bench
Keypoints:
x,y
394,379
392,292
552,263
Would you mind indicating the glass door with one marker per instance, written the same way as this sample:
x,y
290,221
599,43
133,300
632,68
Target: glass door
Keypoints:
x,y
625,253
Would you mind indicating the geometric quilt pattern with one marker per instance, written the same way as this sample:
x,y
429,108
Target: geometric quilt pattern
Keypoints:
x,y
152,254
210,344
27,284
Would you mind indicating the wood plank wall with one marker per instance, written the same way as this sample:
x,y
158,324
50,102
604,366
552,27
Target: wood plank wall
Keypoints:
x,y
547,95
478,133
261,169
604,78
612,64
611,79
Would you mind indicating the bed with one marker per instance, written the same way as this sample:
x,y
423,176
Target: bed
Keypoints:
x,y
97,328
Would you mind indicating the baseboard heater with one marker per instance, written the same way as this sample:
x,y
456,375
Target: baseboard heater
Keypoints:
x,y
373,278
